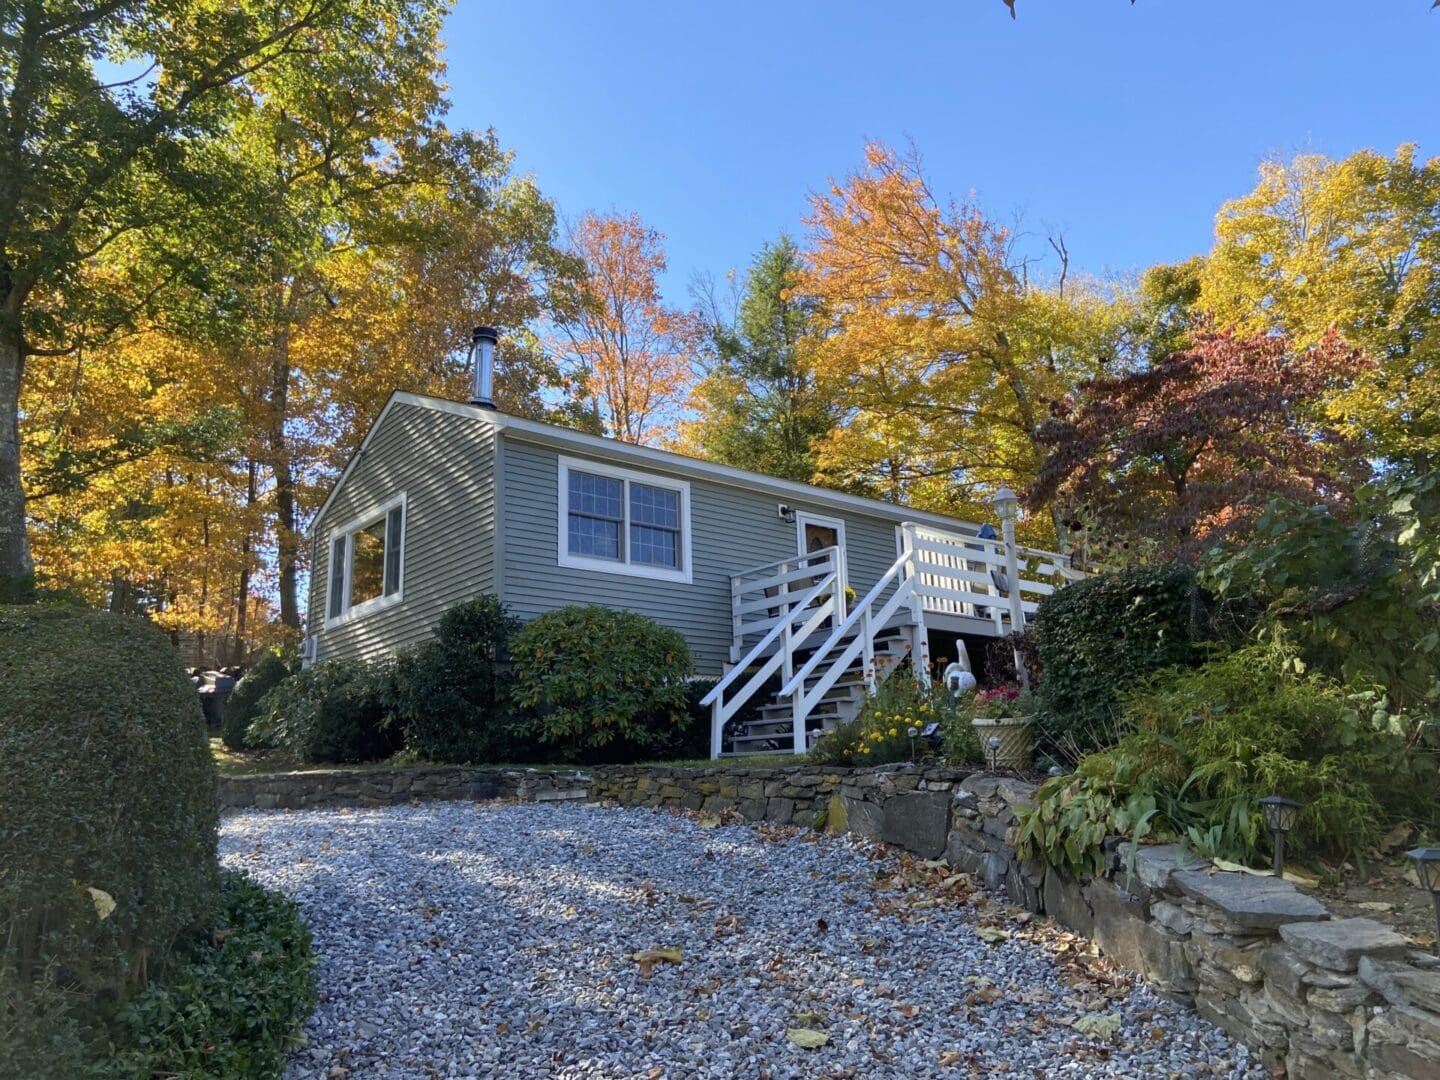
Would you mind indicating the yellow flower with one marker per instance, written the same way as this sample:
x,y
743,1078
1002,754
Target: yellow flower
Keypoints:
x,y
876,736
894,731
864,749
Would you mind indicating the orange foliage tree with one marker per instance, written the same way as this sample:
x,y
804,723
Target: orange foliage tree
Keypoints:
x,y
943,356
629,350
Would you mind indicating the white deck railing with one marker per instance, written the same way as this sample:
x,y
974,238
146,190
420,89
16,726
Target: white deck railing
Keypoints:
x,y
787,604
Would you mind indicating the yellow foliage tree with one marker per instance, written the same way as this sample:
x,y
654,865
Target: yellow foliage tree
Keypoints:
x,y
943,356
1353,245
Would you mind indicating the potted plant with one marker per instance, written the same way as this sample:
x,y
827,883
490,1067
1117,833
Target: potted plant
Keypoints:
x,y
1004,715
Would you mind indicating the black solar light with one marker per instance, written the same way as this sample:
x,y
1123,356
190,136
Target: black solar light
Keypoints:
x,y
1427,869
992,746
1280,814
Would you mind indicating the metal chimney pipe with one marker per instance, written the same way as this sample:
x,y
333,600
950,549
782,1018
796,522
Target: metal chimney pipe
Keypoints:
x,y
482,361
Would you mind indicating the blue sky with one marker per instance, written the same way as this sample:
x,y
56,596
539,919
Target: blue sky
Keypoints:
x,y
1124,127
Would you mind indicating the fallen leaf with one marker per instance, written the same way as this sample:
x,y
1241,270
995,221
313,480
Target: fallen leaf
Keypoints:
x,y
648,958
992,935
103,901
808,1019
807,1038
908,1011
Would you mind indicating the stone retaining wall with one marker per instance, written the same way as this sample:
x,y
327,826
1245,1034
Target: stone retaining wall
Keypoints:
x,y
1314,996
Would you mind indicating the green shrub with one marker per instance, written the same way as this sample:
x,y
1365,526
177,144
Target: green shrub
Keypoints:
x,y
243,705
880,732
1097,638
1208,743
235,1002
334,712
1358,598
106,784
452,693
590,676
231,1002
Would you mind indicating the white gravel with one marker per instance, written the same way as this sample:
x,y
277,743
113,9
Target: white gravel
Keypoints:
x,y
495,940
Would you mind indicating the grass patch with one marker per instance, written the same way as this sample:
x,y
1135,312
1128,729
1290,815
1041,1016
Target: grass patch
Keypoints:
x,y
255,762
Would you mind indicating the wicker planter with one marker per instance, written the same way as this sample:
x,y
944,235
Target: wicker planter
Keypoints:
x,y
1014,733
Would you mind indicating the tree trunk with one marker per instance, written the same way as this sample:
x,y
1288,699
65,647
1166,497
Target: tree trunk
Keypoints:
x,y
242,616
16,569
287,542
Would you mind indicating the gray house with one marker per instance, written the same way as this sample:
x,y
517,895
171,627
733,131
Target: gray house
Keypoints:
x,y
798,598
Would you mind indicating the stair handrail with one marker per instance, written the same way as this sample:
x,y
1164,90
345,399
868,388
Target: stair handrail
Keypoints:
x,y
803,600
784,627
857,612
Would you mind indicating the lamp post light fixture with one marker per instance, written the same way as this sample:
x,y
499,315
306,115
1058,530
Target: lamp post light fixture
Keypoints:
x,y
1280,814
914,733
1427,869
992,748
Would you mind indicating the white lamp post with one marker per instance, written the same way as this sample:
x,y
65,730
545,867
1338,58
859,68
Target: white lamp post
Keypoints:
x,y
1007,504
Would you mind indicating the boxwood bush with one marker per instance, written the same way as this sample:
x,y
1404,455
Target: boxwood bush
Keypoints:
x,y
336,712
452,693
107,802
1096,638
591,676
243,704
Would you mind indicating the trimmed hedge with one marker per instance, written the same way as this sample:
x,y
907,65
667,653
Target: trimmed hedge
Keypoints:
x,y
592,676
336,712
1098,637
452,693
243,704
107,794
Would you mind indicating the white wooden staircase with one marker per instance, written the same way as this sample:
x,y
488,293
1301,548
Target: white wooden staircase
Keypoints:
x,y
802,659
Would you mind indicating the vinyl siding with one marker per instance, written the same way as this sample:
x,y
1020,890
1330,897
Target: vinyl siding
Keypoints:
x,y
732,530
445,465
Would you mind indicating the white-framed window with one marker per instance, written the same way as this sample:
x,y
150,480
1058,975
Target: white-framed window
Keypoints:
x,y
367,563
620,521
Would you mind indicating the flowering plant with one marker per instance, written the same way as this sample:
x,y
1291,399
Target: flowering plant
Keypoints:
x,y
1002,703
881,733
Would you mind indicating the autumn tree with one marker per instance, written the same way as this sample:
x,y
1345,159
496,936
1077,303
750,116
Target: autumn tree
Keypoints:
x,y
1354,246
758,406
630,352
941,352
1191,447
109,114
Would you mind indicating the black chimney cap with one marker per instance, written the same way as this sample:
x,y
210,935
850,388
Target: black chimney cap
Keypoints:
x,y
485,332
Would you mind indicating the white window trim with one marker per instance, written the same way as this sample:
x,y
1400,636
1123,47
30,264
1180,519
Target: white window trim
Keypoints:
x,y
380,512
614,566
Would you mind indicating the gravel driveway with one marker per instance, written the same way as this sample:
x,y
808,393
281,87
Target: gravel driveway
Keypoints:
x,y
498,940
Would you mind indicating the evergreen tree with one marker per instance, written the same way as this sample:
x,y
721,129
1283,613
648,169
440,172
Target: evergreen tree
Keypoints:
x,y
759,405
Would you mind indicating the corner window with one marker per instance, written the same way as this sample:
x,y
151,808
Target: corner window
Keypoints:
x,y
623,522
366,561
